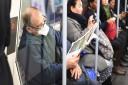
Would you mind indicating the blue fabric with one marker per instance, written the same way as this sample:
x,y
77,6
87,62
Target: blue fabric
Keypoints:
x,y
58,37
83,53
90,72
83,80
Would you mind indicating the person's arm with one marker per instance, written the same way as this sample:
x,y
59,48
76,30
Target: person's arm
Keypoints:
x,y
58,47
73,31
58,37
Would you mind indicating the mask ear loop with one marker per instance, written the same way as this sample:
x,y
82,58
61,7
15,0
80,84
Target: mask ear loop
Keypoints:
x,y
45,19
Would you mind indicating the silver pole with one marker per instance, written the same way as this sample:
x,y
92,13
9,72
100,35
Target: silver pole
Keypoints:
x,y
97,32
17,41
54,14
125,5
64,40
118,11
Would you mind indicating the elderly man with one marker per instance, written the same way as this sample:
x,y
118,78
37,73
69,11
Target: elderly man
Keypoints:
x,y
38,50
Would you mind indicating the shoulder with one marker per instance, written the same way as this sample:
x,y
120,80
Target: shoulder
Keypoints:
x,y
31,39
52,31
72,23
70,20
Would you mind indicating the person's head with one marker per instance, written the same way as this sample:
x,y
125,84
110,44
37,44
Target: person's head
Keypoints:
x,y
75,6
33,20
92,4
112,4
104,2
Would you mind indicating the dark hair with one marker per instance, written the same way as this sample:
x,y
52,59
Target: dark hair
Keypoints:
x,y
109,1
90,1
70,3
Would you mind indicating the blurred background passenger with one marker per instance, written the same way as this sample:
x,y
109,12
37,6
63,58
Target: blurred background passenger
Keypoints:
x,y
105,75
108,21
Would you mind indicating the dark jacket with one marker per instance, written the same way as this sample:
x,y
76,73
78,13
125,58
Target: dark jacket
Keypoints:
x,y
4,24
104,18
5,73
37,53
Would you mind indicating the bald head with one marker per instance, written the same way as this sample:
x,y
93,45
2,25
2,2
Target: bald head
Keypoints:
x,y
33,20
31,16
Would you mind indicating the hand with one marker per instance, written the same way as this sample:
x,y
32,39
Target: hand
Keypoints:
x,y
72,61
76,72
122,15
91,22
111,20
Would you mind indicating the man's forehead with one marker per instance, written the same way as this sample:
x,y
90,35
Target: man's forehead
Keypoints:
x,y
36,14
36,18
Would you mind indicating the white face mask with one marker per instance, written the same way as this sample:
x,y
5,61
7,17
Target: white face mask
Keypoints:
x,y
44,30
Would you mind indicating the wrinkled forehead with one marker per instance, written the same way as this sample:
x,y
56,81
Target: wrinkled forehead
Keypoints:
x,y
36,17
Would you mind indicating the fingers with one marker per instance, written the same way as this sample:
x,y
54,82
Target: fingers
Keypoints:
x,y
76,72
91,22
73,72
91,18
79,72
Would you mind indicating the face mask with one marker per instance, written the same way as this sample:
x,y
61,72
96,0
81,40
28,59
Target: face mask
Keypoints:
x,y
44,30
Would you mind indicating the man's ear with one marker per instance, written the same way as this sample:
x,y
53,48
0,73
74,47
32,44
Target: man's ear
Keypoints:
x,y
29,29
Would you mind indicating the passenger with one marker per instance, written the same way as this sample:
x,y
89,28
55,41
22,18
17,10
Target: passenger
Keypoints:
x,y
37,53
105,75
122,15
106,17
76,25
122,38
